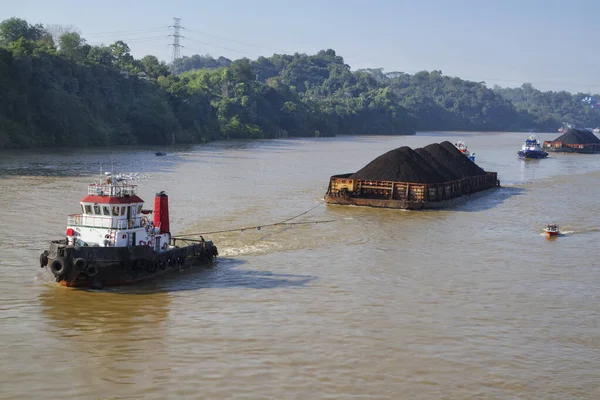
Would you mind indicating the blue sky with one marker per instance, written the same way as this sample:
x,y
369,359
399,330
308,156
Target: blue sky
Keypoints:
x,y
552,44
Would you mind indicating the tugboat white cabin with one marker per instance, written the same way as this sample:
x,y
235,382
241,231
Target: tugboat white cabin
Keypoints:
x,y
113,216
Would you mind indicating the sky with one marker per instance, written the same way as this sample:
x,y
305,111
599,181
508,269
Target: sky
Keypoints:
x,y
550,43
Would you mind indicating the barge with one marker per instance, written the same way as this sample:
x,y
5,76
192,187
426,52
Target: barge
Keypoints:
x,y
345,190
113,241
558,146
574,141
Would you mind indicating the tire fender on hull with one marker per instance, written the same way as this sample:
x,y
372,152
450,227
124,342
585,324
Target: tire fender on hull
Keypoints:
x,y
44,259
80,264
91,271
59,267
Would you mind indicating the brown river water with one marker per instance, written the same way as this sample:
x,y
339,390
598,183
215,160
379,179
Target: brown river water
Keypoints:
x,y
465,303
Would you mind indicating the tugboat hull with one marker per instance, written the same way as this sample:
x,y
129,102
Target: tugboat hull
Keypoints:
x,y
97,267
532,154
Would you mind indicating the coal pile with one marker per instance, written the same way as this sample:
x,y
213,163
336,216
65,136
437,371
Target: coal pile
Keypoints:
x,y
434,163
466,165
401,165
446,173
577,136
456,162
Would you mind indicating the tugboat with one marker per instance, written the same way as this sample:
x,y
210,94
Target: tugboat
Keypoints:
x,y
462,146
532,148
113,242
552,230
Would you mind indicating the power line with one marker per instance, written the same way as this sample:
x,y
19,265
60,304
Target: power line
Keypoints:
x,y
221,47
237,41
131,41
125,32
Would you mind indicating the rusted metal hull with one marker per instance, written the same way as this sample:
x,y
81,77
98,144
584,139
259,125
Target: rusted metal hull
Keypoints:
x,y
560,147
404,195
379,203
97,267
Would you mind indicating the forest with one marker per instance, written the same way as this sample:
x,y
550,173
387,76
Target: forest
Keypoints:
x,y
58,91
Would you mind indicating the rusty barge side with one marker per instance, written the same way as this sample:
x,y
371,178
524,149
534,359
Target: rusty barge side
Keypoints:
x,y
404,195
558,146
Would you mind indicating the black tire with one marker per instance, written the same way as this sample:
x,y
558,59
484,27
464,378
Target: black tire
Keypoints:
x,y
91,271
80,264
44,259
59,267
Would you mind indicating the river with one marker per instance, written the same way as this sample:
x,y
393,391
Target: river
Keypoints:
x,y
465,303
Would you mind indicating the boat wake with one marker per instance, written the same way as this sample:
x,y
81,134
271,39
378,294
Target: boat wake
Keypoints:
x,y
569,233
246,250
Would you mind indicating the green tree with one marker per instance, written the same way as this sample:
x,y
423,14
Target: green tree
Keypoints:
x,y
73,46
14,29
154,68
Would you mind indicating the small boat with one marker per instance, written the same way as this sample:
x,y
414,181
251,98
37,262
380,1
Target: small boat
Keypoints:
x,y
552,230
532,148
565,127
462,146
160,153
114,242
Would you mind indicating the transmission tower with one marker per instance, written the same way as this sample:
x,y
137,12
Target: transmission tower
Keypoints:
x,y
176,58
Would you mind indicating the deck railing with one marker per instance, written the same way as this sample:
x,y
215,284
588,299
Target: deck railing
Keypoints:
x,y
106,189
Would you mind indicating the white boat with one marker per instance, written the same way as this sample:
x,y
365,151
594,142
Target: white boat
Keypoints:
x,y
532,148
462,146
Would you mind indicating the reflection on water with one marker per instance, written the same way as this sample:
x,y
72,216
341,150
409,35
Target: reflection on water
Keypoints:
x,y
104,338
104,313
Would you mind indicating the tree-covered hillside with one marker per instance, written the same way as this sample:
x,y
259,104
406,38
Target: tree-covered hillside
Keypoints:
x,y
57,90
551,109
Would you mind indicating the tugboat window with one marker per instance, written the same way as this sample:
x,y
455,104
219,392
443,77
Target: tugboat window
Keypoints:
x,y
88,209
140,209
82,209
123,210
115,211
97,209
106,210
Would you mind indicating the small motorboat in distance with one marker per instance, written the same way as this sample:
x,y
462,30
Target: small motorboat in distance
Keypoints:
x,y
552,230
160,153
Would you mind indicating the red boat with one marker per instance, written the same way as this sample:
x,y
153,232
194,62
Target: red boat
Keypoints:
x,y
552,230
